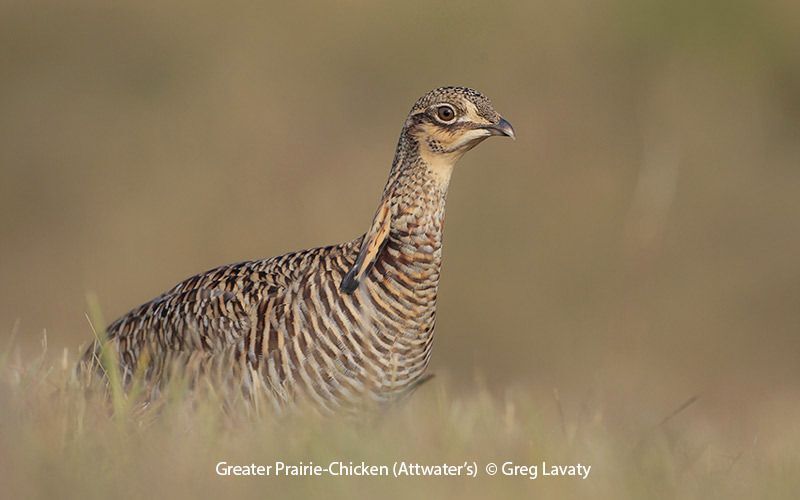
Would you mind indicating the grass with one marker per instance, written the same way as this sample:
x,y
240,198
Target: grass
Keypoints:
x,y
61,437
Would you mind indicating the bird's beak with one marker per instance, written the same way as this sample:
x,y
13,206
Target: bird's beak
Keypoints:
x,y
502,128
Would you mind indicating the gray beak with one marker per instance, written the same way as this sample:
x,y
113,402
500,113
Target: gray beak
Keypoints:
x,y
502,128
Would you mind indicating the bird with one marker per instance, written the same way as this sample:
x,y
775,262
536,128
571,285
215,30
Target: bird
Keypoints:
x,y
333,327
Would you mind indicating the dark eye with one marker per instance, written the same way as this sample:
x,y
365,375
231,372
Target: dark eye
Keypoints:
x,y
445,113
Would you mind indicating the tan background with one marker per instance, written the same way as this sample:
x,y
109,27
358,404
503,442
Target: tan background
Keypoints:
x,y
639,242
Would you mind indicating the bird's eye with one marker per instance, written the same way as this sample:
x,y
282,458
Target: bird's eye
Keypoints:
x,y
445,113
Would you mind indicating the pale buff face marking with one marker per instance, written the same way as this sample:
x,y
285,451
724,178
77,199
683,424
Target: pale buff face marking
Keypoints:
x,y
441,146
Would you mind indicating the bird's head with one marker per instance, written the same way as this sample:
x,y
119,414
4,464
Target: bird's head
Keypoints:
x,y
444,124
449,121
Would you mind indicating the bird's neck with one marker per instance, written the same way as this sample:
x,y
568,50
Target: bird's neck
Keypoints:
x,y
418,183
417,190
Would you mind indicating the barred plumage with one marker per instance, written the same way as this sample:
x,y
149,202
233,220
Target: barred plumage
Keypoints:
x,y
337,325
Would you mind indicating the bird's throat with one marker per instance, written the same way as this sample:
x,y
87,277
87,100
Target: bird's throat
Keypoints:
x,y
440,166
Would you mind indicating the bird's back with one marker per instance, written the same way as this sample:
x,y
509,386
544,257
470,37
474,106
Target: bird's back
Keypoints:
x,y
227,310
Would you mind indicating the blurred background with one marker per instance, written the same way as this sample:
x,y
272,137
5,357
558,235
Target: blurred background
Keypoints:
x,y
639,244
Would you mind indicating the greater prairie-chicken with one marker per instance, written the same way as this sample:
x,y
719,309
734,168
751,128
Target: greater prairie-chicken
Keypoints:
x,y
336,325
